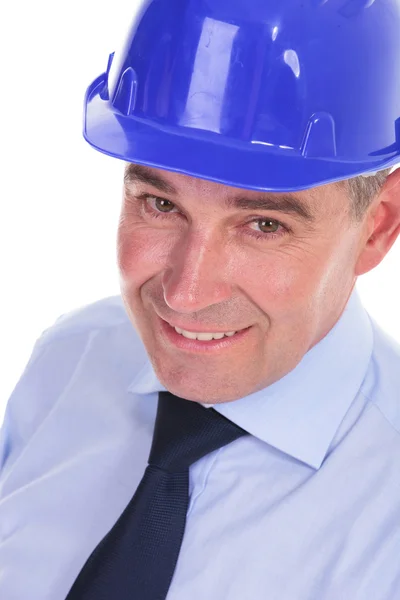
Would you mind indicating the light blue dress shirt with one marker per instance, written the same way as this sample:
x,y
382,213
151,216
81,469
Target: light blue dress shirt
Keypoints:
x,y
306,508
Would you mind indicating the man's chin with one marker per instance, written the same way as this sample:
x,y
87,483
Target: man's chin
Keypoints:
x,y
199,386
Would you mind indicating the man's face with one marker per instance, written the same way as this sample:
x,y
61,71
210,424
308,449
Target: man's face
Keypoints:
x,y
277,268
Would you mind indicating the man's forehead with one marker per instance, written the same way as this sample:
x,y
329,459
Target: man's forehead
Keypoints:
x,y
303,204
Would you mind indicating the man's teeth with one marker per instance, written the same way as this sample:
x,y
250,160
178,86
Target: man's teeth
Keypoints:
x,y
204,337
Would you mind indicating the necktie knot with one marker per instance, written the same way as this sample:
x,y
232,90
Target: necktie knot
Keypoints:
x,y
185,431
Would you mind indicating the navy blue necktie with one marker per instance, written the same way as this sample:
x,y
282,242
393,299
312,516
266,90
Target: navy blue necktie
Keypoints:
x,y
136,560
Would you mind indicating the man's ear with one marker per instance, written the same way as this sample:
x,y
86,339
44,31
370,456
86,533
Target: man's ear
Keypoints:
x,y
381,225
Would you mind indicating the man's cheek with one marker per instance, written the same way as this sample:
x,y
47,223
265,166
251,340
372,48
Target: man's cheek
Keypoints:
x,y
279,284
141,255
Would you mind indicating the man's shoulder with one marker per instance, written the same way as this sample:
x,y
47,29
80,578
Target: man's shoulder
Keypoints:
x,y
95,344
382,384
101,330
104,313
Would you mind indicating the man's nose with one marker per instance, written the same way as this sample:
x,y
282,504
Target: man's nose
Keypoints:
x,y
198,274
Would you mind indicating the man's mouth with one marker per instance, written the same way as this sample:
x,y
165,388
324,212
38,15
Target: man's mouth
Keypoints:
x,y
204,336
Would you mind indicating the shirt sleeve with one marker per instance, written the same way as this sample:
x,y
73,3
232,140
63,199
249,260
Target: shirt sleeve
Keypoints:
x,y
50,370
28,403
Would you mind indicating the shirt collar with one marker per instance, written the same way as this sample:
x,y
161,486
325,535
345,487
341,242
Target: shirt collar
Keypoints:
x,y
300,413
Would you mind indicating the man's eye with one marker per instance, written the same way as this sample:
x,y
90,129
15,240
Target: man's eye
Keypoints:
x,y
163,205
268,229
268,225
159,205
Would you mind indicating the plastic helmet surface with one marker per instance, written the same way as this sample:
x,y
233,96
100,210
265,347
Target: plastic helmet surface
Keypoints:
x,y
274,95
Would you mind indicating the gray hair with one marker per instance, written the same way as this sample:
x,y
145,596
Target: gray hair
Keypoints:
x,y
363,190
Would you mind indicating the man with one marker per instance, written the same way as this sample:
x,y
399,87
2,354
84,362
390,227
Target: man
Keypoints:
x,y
258,187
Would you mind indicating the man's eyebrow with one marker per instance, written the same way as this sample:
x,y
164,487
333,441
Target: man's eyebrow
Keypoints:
x,y
140,174
280,202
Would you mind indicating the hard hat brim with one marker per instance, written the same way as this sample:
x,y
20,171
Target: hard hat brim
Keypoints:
x,y
203,155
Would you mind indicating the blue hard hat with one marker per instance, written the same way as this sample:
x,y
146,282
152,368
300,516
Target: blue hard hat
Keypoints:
x,y
273,95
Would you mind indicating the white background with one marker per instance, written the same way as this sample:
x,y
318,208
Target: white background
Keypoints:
x,y
60,199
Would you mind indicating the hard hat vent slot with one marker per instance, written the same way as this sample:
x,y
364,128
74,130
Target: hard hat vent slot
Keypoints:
x,y
395,147
319,139
125,96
